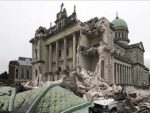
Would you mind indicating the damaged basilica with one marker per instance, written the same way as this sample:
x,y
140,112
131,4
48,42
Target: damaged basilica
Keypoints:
x,y
97,45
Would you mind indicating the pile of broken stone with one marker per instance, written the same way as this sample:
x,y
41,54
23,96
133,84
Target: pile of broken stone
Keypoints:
x,y
89,87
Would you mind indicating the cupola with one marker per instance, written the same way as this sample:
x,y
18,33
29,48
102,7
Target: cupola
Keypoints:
x,y
121,30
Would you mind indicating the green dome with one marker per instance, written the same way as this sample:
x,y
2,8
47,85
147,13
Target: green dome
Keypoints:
x,y
119,23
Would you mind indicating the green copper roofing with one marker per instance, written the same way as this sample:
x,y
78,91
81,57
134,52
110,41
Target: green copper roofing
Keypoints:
x,y
11,99
25,99
5,96
119,23
57,100
48,99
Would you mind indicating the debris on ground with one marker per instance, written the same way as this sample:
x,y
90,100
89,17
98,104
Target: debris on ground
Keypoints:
x,y
87,85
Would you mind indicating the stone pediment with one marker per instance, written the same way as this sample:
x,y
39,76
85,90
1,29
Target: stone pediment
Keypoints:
x,y
141,46
137,45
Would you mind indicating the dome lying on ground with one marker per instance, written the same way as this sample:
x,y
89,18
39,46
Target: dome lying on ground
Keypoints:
x,y
48,99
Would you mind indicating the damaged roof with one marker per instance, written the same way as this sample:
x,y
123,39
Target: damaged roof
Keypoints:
x,y
48,99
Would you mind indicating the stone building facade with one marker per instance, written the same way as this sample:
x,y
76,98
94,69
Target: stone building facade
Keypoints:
x,y
97,45
20,70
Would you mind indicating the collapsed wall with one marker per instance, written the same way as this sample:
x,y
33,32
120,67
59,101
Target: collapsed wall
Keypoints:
x,y
95,48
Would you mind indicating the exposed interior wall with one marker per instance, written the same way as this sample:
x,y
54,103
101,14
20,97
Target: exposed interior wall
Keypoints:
x,y
94,61
94,41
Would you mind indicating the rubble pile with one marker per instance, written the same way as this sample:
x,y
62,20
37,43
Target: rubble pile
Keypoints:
x,y
143,98
90,87
93,87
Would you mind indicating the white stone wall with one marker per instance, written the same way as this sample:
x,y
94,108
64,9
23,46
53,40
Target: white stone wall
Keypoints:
x,y
136,55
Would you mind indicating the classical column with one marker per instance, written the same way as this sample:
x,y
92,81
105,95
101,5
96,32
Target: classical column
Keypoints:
x,y
50,57
125,78
74,50
127,75
123,75
130,75
65,53
115,73
119,73
117,69
57,45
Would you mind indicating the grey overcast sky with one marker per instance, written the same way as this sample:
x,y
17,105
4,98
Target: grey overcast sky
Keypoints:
x,y
20,19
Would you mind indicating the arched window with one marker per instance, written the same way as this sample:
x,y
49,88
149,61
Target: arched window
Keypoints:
x,y
126,35
27,74
102,69
59,69
119,54
116,35
36,73
122,34
60,53
119,35
59,25
22,73
16,73
35,53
